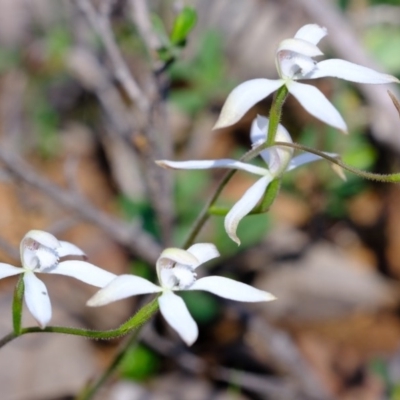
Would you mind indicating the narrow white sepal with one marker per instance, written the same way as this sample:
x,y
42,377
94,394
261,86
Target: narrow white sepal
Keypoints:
x,y
177,315
244,97
311,33
299,46
9,270
210,164
69,249
350,72
37,299
317,104
83,271
203,252
122,287
231,289
246,203
306,158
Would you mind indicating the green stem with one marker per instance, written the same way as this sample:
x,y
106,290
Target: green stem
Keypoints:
x,y
389,178
8,338
276,113
17,305
142,316
89,391
269,196
275,116
204,214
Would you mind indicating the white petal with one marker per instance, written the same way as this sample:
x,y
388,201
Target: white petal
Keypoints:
x,y
278,157
83,271
294,65
37,299
44,238
317,104
210,164
175,312
29,258
9,270
311,33
299,46
350,72
243,97
230,289
203,252
244,206
258,135
122,287
305,158
69,249
259,129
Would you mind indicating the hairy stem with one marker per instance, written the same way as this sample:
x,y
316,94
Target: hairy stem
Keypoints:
x,y
142,316
389,178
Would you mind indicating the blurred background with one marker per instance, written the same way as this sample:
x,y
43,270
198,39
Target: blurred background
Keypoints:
x,y
92,92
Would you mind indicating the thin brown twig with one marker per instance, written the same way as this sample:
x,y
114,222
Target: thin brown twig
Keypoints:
x,y
144,135
277,388
395,101
100,23
140,16
133,238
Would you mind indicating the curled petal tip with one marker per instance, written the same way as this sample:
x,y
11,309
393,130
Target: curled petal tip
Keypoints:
x,y
98,299
339,171
92,302
231,225
221,123
269,297
235,239
161,163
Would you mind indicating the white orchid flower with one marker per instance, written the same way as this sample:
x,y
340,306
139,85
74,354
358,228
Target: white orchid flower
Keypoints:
x,y
40,252
278,158
294,61
176,271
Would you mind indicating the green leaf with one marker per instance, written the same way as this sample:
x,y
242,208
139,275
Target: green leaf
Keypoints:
x,y
202,306
382,41
184,23
139,363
